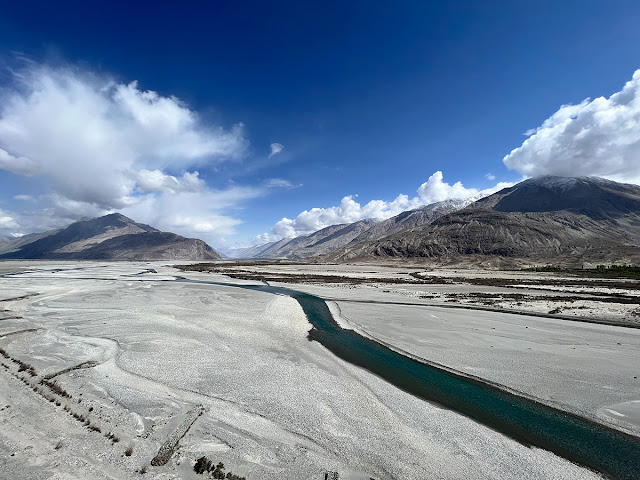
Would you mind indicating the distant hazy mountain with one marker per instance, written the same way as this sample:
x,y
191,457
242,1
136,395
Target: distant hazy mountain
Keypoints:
x,y
247,252
4,241
552,219
335,237
15,244
112,237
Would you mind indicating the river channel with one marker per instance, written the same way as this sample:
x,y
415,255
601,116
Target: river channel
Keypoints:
x,y
582,441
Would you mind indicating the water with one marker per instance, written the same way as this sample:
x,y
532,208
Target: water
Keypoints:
x,y
577,439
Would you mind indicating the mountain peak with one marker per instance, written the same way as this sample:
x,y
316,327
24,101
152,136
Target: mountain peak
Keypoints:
x,y
549,219
109,218
118,216
556,182
591,196
112,236
110,221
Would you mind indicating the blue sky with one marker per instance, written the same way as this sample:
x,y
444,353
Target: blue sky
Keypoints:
x,y
368,99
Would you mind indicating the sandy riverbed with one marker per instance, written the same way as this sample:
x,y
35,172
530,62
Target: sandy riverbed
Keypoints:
x,y
275,404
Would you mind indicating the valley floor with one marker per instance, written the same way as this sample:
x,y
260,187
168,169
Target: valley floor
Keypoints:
x,y
127,352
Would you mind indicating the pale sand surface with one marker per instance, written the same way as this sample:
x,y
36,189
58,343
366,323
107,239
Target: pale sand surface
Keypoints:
x,y
276,405
586,368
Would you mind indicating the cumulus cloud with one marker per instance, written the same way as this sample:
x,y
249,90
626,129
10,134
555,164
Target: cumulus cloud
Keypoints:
x,y
311,220
275,149
490,176
58,212
87,133
158,181
261,240
435,189
19,165
595,137
101,145
186,213
190,213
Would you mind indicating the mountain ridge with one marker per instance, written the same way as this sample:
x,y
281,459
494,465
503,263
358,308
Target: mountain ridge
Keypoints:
x,y
333,237
547,219
109,237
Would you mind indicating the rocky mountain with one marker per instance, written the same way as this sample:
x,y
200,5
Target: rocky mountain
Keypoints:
x,y
413,218
112,237
545,219
335,237
323,241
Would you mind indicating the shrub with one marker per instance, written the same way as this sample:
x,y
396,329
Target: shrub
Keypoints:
x,y
204,465
55,388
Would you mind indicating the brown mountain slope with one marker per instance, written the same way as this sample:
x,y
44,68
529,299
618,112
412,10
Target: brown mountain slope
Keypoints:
x,y
111,237
547,219
334,237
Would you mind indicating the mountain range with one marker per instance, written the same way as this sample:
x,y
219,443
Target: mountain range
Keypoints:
x,y
545,219
111,237
548,219
335,237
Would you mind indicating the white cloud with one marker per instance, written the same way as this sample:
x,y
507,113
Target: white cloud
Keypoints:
x,y
490,176
596,137
349,211
7,221
59,213
262,239
87,134
311,220
186,213
436,190
158,181
25,198
100,145
280,183
191,213
275,149
19,165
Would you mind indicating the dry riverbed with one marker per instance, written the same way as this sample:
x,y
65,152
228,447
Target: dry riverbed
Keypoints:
x,y
571,342
107,366
558,295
